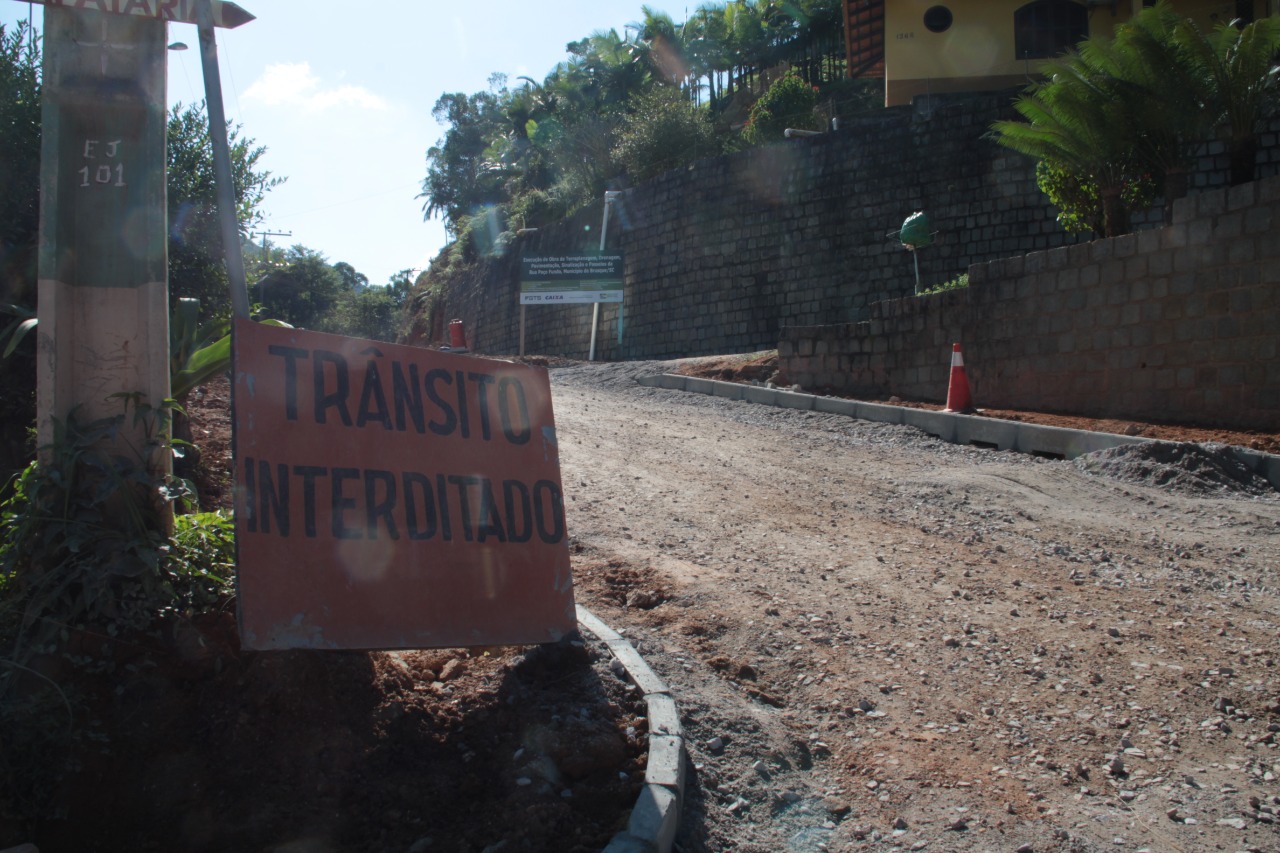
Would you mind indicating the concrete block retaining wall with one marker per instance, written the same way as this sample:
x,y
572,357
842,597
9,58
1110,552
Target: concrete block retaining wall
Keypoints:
x,y
723,254
1176,324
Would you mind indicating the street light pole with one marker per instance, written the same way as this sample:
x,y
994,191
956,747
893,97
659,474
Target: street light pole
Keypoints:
x,y
221,159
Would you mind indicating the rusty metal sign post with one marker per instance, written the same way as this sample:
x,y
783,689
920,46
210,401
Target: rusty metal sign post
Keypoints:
x,y
393,497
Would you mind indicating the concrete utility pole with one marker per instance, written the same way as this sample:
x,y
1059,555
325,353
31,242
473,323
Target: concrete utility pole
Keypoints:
x,y
103,267
264,235
104,261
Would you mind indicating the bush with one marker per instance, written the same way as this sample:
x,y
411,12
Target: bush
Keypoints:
x,y
664,132
958,283
789,102
1078,201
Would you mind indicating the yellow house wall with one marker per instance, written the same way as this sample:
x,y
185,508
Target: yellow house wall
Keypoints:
x,y
977,52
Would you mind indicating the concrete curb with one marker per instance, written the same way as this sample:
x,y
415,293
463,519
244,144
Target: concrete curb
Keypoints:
x,y
653,823
957,429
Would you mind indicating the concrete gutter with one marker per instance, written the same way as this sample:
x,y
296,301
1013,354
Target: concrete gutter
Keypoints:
x,y
998,434
653,823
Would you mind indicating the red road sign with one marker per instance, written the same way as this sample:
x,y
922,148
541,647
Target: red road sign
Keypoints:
x,y
394,497
227,15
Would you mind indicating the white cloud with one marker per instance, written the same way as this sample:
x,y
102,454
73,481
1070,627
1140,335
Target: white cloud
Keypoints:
x,y
294,84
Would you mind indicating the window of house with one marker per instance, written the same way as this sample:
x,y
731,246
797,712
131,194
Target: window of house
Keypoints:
x,y
1046,28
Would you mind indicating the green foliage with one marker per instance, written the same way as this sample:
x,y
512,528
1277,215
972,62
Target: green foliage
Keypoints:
x,y
1074,123
663,132
789,102
82,540
201,561
20,156
83,552
198,351
193,357
618,108
1079,202
196,266
309,292
1237,68
371,312
958,283
19,226
1118,120
302,291
459,177
24,320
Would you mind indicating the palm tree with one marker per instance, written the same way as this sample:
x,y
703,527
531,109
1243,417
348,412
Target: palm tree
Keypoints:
x,y
1117,110
1074,123
1143,68
710,44
664,48
747,40
1238,67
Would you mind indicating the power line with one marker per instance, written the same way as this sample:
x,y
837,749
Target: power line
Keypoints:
x,y
264,235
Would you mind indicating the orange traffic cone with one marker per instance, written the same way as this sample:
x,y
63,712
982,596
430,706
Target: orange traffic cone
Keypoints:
x,y
958,397
457,336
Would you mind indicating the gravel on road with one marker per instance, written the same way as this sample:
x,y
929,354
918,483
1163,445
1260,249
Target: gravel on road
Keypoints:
x,y
881,641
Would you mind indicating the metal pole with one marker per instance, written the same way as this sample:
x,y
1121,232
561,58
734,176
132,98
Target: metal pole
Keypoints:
x,y
522,307
595,306
221,159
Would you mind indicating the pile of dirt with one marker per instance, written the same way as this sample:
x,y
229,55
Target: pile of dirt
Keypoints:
x,y
184,742
1197,470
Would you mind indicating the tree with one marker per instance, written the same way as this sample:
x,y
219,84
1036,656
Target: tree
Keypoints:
x,y
196,265
1120,119
664,46
789,102
371,313
458,181
1075,125
303,291
20,154
19,230
535,153
1237,65
352,279
1144,68
664,132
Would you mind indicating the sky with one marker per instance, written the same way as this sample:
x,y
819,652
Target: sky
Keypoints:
x,y
341,99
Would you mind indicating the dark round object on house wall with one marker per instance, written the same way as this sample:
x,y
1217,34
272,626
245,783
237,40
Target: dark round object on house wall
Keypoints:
x,y
938,19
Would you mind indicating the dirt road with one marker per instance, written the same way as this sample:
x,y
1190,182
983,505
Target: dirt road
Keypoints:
x,y
879,641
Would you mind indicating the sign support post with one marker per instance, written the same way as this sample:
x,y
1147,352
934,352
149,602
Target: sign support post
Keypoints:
x,y
604,233
221,159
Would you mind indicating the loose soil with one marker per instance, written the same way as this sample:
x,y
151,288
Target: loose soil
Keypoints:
x,y
877,641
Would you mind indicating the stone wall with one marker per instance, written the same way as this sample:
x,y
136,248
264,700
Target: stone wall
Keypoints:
x,y
724,253
1174,324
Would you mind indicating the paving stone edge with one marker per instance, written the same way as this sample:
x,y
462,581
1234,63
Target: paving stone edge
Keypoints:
x,y
656,815
948,426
